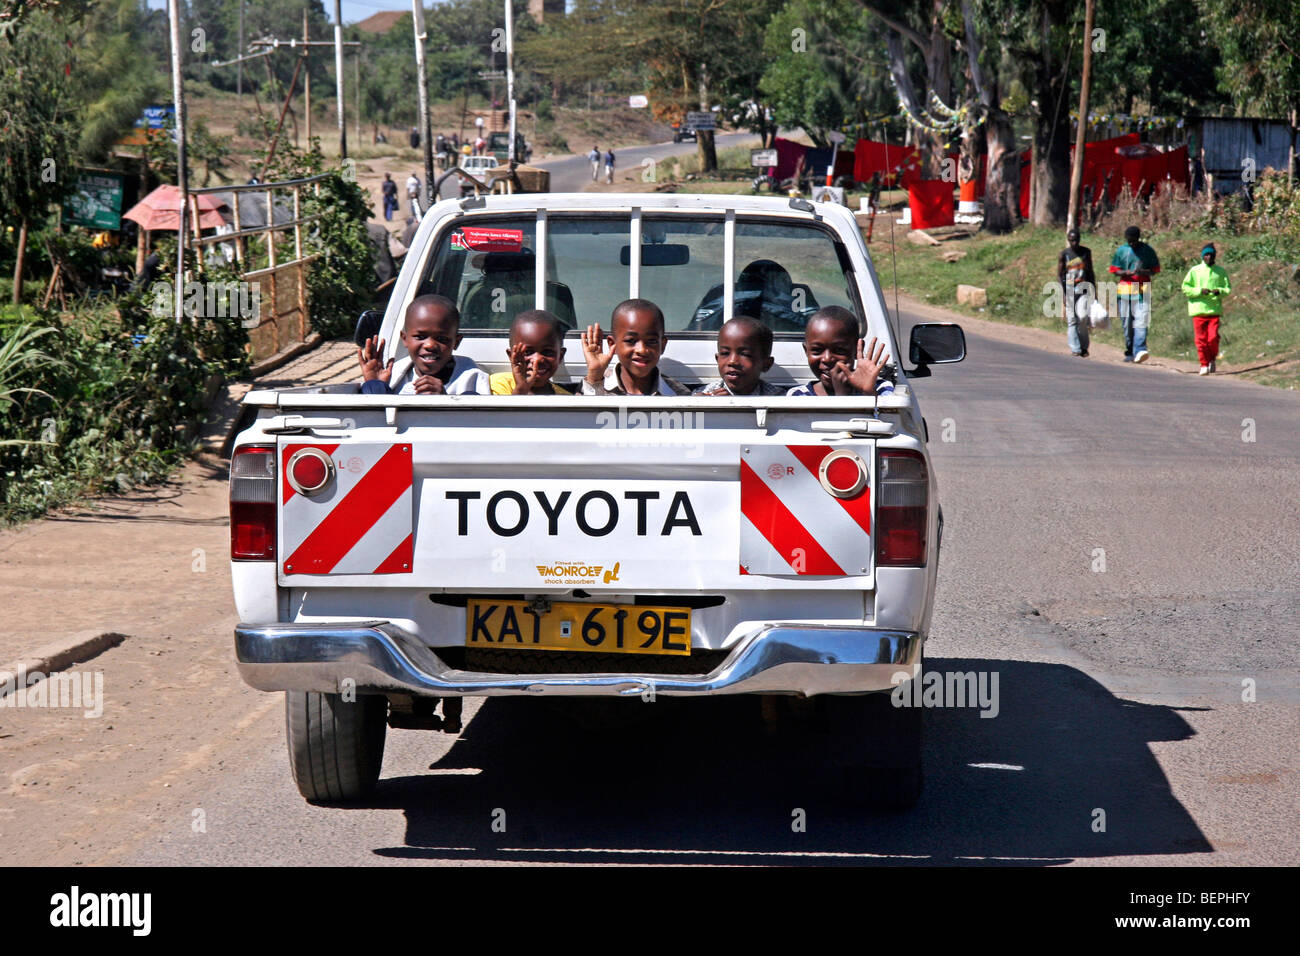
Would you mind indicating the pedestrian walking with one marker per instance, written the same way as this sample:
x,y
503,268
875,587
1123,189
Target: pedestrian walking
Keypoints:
x,y
413,193
609,166
389,189
1205,285
415,138
594,158
1134,263
1078,292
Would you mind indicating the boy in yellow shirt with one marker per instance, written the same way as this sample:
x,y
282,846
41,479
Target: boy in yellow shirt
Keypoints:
x,y
536,352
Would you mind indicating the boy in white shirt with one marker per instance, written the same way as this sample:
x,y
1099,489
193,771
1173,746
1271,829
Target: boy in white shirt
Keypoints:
x,y
431,332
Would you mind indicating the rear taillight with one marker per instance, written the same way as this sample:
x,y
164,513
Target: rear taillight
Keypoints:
x,y
902,497
252,504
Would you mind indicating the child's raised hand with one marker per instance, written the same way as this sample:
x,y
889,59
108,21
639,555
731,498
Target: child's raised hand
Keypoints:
x,y
597,353
523,372
840,380
867,370
370,357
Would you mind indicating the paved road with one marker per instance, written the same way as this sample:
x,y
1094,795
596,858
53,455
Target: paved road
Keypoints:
x,y
573,173
1120,689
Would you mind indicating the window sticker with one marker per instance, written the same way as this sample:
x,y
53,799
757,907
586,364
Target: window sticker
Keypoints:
x,y
482,239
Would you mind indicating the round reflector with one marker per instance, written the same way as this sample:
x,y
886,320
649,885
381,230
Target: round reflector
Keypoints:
x,y
309,471
843,474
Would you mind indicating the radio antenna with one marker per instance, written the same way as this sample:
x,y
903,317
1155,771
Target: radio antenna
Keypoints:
x,y
898,319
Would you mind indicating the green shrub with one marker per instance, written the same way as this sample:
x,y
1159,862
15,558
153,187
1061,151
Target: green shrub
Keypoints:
x,y
98,407
1277,215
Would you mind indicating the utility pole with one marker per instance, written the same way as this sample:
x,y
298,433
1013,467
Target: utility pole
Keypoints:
x,y
338,72
356,64
510,79
422,88
306,86
1080,138
182,183
239,75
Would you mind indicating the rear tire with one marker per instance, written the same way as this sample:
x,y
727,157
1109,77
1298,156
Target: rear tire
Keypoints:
x,y
336,747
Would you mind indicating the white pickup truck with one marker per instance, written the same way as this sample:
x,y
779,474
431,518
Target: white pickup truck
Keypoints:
x,y
391,551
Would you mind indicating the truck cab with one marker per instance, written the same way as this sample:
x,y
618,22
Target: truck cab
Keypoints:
x,y
391,551
499,147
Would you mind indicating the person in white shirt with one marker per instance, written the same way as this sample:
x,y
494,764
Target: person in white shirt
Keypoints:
x,y
594,158
431,332
413,191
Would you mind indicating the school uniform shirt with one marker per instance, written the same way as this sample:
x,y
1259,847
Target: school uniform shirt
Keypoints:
x,y
720,387
465,378
883,387
613,385
503,383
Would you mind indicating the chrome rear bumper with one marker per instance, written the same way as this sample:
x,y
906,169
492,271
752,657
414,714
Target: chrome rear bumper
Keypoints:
x,y
380,657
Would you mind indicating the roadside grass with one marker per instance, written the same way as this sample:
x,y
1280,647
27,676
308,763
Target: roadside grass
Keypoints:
x,y
1260,331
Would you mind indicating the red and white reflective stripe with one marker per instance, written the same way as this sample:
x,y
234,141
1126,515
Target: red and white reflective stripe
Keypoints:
x,y
790,524
361,523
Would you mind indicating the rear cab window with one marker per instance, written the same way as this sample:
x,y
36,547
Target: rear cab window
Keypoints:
x,y
699,268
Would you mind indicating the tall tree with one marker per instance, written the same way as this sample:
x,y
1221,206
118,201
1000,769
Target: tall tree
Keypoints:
x,y
1002,182
926,27
826,68
113,74
690,54
1046,45
1260,41
38,134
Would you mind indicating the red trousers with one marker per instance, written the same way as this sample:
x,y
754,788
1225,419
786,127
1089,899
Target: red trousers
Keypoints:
x,y
1207,337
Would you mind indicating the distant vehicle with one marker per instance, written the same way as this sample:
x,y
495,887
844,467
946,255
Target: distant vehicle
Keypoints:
x,y
499,147
681,135
477,166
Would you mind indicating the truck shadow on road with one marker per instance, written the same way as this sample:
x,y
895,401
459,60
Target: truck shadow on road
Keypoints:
x,y
1062,772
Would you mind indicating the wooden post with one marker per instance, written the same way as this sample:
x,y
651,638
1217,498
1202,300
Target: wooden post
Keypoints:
x,y
338,76
297,254
239,241
182,182
18,262
306,86
270,261
198,231
142,234
1081,137
422,89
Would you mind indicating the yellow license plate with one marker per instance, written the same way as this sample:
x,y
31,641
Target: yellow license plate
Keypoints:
x,y
609,628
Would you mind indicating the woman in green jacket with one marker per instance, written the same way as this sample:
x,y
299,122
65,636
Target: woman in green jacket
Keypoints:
x,y
1205,286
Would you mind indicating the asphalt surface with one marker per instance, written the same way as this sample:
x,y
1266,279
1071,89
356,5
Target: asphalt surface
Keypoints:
x,y
573,173
1120,690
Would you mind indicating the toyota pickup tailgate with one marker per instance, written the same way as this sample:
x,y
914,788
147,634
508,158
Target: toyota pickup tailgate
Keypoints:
x,y
626,495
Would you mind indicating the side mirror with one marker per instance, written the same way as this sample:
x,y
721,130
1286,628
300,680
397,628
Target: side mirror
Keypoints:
x,y
367,326
935,343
